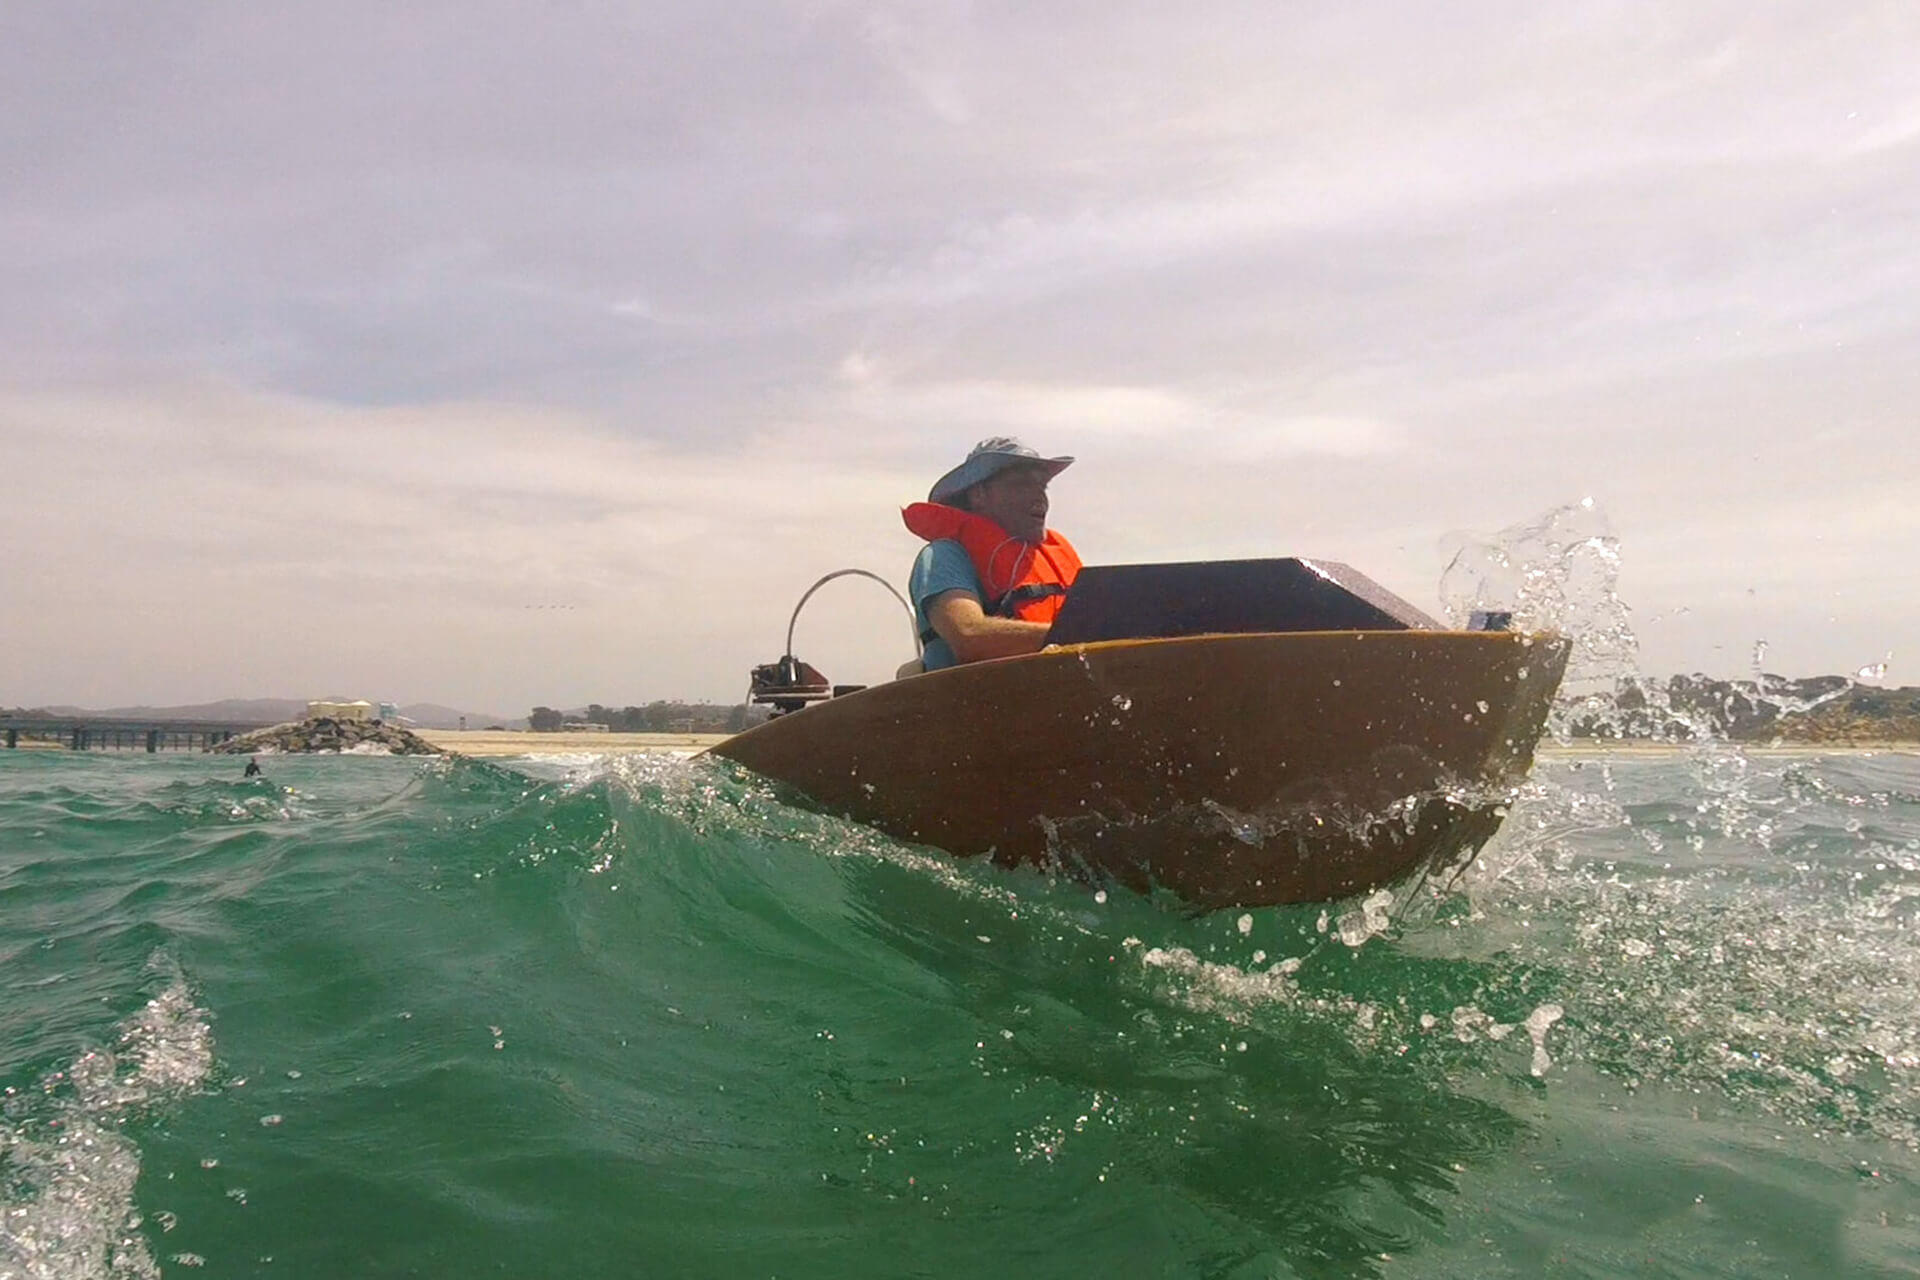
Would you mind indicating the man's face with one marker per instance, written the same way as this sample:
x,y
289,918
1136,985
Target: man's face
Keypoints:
x,y
1016,500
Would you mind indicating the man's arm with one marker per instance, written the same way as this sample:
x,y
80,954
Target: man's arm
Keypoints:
x,y
974,635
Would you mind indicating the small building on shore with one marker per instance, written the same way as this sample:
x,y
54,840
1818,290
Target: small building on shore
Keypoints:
x,y
357,712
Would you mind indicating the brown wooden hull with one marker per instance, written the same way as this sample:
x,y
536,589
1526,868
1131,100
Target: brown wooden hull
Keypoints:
x,y
1232,769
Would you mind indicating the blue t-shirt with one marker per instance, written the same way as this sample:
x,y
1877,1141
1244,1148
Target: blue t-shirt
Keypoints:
x,y
940,566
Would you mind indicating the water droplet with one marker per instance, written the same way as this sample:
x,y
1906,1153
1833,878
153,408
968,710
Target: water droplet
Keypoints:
x,y
1537,1023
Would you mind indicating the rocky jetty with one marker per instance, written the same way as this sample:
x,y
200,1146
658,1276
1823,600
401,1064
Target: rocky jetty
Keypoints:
x,y
1863,718
1769,709
369,737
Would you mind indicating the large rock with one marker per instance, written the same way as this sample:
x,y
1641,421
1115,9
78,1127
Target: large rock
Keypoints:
x,y
323,733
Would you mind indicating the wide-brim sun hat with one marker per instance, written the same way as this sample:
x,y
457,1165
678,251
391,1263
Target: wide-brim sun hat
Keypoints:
x,y
987,459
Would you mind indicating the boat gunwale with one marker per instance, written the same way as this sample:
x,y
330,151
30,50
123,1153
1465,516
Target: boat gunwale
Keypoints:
x,y
1425,635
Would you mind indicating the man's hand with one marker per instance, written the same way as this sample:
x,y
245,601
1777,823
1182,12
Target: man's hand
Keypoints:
x,y
957,618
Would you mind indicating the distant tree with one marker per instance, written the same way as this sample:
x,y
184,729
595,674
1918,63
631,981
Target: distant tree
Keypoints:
x,y
737,719
544,720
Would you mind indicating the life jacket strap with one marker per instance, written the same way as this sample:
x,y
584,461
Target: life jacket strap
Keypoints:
x,y
1008,603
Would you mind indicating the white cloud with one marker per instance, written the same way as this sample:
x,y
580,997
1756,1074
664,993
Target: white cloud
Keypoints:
x,y
660,312
1895,128
221,517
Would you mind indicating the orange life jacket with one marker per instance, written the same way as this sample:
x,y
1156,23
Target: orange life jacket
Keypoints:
x,y
1026,580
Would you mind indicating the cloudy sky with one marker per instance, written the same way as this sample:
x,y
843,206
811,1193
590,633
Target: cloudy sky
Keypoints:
x,y
494,354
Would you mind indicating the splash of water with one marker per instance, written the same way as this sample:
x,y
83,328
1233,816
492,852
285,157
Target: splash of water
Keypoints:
x,y
1559,572
1729,985
69,1211
1875,670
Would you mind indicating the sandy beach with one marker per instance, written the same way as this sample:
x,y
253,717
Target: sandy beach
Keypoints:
x,y
1551,750
477,742
483,742
491,742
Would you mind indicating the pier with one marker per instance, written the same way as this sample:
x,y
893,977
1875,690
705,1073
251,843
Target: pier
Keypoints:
x,y
104,733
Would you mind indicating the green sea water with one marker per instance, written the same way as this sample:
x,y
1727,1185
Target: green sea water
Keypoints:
x,y
639,1017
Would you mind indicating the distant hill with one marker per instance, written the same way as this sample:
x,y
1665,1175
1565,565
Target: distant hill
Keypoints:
x,y
265,710
429,715
426,715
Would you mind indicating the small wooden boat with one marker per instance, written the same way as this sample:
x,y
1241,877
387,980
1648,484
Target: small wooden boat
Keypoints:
x,y
1237,762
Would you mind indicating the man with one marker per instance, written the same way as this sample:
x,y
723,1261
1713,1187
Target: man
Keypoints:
x,y
992,575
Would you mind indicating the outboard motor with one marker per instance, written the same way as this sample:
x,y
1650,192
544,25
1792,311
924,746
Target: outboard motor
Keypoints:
x,y
787,685
790,684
